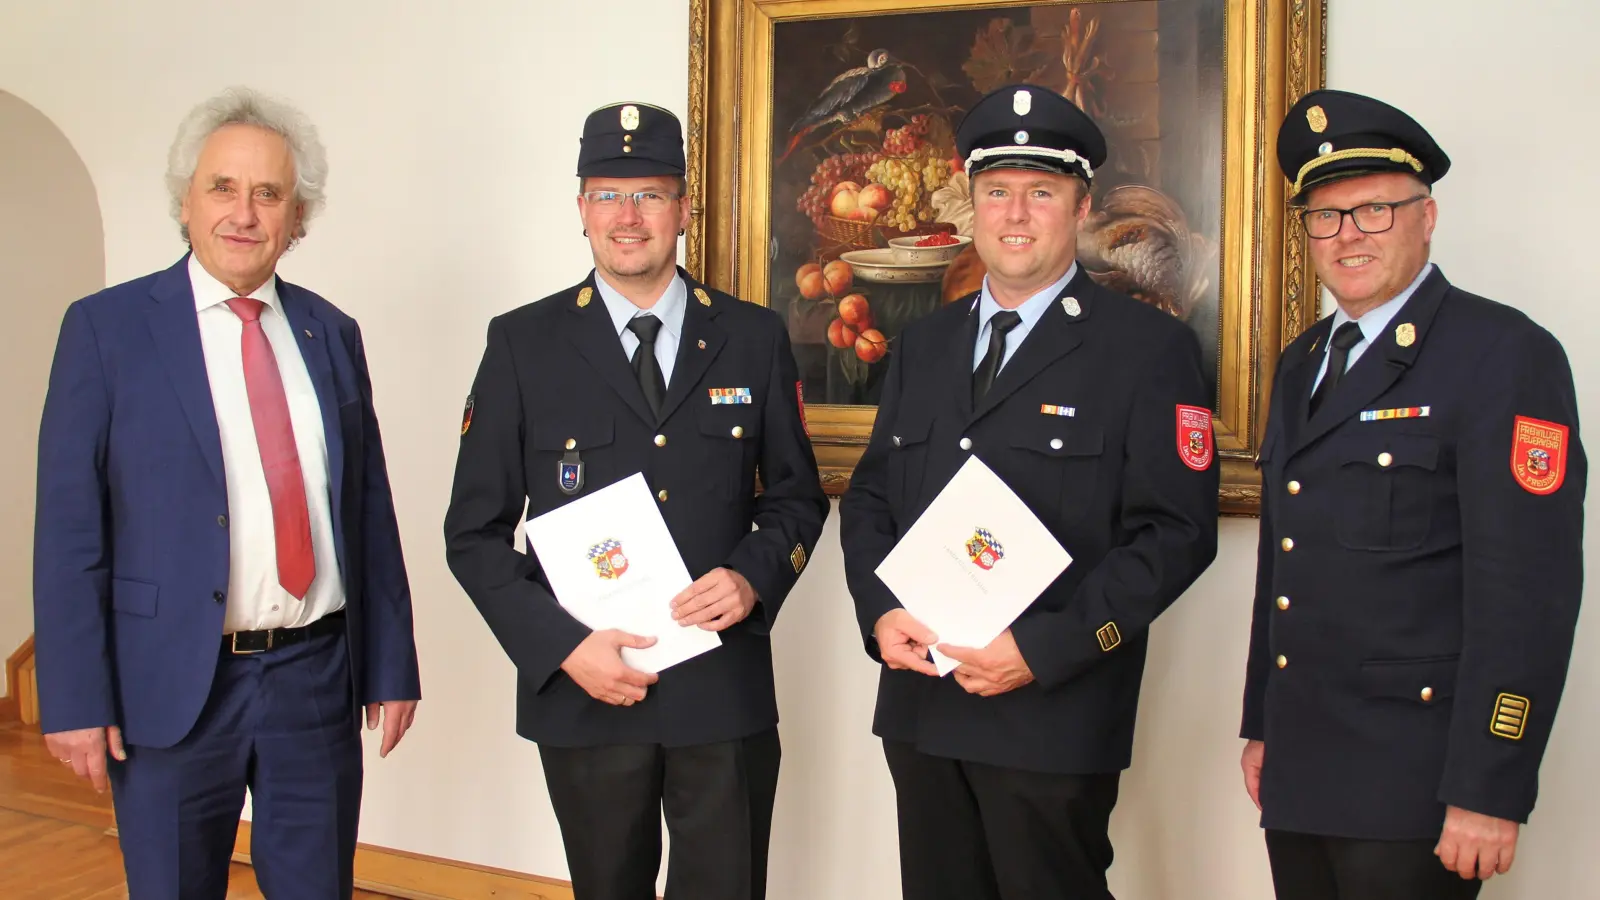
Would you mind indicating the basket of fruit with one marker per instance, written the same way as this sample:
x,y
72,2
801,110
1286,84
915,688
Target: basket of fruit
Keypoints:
x,y
863,200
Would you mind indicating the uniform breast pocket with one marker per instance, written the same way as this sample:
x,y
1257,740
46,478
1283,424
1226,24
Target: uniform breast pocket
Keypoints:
x,y
1385,495
731,435
908,460
1061,460
568,458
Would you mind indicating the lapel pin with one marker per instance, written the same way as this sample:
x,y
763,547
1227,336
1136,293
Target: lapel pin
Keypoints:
x,y
583,297
1406,334
701,295
1314,346
310,335
1070,304
702,345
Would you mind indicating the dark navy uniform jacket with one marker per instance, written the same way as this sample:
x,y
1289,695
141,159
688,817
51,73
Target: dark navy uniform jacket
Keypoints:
x,y
1419,572
1109,480
554,371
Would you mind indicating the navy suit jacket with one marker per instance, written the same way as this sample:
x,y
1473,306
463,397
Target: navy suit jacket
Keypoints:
x,y
131,553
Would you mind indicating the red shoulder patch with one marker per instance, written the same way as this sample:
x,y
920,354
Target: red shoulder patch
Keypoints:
x,y
800,398
1196,446
1538,455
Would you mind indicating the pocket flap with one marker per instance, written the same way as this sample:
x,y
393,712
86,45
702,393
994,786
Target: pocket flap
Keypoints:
x,y
136,598
1389,450
908,432
1060,437
589,433
731,423
1427,680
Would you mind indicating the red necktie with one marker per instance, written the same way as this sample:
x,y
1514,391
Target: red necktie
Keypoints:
x,y
280,459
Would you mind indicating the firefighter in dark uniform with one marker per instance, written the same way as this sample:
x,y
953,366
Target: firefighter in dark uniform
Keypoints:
x,y
1092,407
1421,541
640,368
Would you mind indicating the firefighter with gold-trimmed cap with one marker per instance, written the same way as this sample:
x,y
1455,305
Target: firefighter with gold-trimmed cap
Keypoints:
x,y
1421,555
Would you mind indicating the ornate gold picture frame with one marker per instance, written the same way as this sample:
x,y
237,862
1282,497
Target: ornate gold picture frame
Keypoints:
x,y
820,130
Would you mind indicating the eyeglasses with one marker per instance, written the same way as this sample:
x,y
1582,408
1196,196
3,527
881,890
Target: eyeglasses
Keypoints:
x,y
1370,218
647,202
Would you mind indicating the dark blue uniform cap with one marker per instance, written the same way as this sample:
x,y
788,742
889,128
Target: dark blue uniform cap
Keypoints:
x,y
631,140
1329,135
1024,126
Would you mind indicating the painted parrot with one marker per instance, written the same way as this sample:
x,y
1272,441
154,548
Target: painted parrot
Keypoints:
x,y
851,95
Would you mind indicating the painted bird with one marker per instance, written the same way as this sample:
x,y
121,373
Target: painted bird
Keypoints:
x,y
851,95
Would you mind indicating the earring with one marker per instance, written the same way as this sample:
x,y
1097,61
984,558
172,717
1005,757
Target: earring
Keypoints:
x,y
680,232
586,232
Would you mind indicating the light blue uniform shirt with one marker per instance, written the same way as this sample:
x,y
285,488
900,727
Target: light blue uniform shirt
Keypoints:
x,y
1031,311
1372,325
669,309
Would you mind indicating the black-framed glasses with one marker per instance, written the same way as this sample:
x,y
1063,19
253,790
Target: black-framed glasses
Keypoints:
x,y
648,202
1370,218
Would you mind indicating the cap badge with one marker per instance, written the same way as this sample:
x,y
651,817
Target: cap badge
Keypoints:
x,y
1021,102
1022,137
1325,148
1406,334
630,117
1317,119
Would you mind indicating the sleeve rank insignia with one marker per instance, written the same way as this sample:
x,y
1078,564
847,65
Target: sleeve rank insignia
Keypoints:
x,y
584,296
1510,717
797,558
1109,636
701,295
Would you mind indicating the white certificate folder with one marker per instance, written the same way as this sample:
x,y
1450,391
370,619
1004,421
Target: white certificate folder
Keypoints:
x,y
612,564
974,560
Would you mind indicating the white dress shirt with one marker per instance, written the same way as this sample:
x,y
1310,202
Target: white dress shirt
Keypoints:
x,y
255,599
1031,311
669,309
1372,325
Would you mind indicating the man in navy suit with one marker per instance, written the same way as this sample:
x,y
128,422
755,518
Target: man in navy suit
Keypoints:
x,y
218,580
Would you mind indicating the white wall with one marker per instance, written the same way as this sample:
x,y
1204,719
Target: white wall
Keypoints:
x,y
51,252
453,137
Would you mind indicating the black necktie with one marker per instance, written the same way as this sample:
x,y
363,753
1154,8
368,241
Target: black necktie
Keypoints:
x,y
1002,322
1348,335
645,328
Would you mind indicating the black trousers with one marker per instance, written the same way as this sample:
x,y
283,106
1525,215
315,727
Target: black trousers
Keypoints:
x,y
717,799
1313,867
970,831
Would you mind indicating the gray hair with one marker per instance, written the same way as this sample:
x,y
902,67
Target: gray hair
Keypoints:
x,y
243,106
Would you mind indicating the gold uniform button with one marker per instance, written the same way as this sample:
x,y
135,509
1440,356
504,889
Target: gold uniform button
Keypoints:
x,y
1385,459
662,496
1288,544
571,443
738,431
1294,487
1283,602
1427,694
661,440
1283,661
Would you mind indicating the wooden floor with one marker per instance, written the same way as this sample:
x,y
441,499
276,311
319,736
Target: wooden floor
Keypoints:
x,y
53,841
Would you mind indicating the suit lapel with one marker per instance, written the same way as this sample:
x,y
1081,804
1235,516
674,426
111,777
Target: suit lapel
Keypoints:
x,y
595,337
175,327
699,324
1380,366
959,343
1055,335
1294,386
312,336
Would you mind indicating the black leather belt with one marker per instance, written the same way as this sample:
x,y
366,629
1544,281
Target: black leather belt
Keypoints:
x,y
243,643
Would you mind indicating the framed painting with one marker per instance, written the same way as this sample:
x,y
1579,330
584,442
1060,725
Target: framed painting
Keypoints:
x,y
825,184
